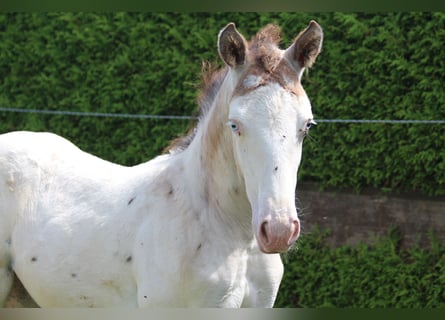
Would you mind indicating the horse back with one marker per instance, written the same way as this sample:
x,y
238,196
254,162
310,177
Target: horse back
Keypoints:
x,y
38,165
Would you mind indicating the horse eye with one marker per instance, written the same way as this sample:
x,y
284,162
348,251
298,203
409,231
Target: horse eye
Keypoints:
x,y
310,123
234,126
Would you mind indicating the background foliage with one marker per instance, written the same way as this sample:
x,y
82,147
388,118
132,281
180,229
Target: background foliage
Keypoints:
x,y
381,275
373,66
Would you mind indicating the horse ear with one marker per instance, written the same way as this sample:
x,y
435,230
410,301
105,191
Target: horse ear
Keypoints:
x,y
232,46
306,46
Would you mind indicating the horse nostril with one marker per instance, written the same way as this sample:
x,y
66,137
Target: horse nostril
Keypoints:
x,y
295,233
263,232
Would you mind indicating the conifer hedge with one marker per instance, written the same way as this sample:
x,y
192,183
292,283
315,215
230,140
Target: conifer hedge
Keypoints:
x,y
373,66
377,275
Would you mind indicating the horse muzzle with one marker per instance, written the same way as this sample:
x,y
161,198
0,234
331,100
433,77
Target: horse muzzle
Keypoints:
x,y
277,234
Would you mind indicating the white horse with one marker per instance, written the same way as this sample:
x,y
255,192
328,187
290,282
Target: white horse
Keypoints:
x,y
202,225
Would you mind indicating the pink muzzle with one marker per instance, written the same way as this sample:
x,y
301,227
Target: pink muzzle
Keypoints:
x,y
277,235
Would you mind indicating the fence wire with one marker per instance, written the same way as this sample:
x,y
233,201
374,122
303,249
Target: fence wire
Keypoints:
x,y
179,117
97,114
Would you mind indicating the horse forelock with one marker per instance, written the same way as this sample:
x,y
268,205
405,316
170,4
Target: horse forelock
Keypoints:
x,y
263,48
267,64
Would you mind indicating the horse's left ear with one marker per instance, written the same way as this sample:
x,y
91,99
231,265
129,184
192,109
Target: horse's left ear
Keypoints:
x,y
306,46
232,46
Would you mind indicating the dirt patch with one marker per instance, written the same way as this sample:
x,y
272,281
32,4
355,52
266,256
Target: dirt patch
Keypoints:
x,y
354,218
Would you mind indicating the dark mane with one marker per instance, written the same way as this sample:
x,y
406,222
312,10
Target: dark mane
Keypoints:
x,y
262,56
211,81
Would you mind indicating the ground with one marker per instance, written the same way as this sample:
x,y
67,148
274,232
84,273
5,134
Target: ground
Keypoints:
x,y
19,298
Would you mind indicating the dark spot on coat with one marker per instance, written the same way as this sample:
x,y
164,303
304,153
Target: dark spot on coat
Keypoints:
x,y
8,241
73,275
276,168
129,258
199,247
170,191
131,200
34,259
145,297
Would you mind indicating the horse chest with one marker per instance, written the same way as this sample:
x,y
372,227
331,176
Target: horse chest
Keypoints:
x,y
222,281
199,277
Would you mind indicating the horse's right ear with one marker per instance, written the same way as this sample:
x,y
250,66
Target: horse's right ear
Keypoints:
x,y
232,46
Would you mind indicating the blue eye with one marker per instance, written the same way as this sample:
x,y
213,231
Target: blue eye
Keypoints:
x,y
234,126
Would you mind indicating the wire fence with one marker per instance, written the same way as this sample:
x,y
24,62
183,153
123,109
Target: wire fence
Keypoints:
x,y
97,114
179,117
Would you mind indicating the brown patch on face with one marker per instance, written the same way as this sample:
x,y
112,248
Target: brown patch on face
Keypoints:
x,y
288,78
268,64
283,74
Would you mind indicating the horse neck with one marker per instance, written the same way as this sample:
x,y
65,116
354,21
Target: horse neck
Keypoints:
x,y
219,180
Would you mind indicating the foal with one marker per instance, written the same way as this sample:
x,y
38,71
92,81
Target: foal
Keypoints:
x,y
200,226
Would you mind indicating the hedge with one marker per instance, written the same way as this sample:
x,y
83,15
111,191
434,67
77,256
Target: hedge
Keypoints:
x,y
373,66
377,275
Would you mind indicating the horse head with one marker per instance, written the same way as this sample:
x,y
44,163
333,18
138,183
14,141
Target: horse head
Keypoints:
x,y
269,116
